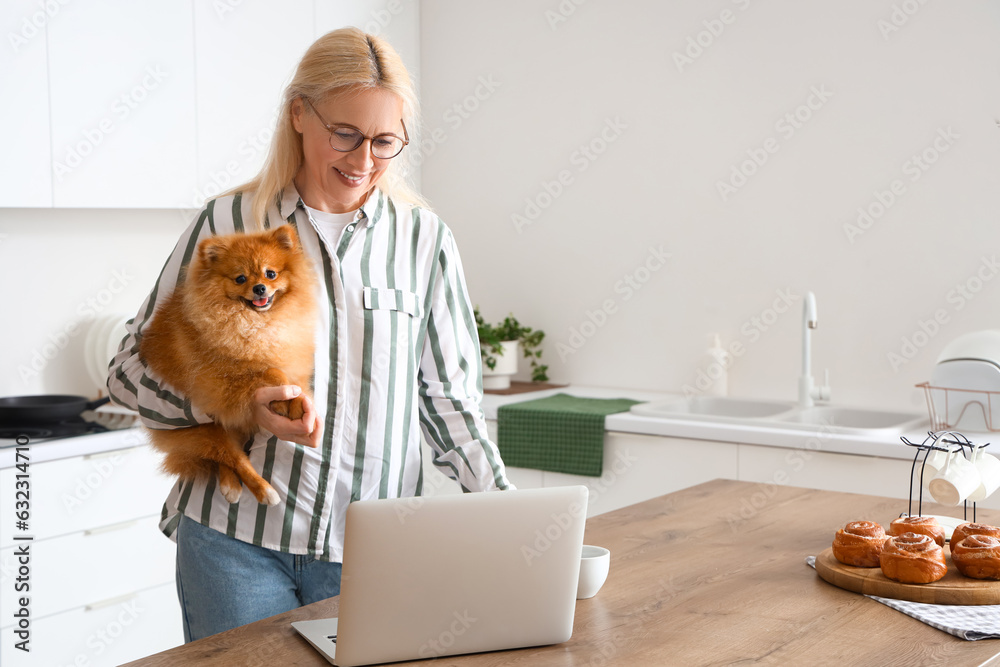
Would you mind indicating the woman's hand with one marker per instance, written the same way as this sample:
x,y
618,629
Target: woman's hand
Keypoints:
x,y
304,431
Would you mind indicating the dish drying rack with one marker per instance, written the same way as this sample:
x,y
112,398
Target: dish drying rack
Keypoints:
x,y
954,398
942,441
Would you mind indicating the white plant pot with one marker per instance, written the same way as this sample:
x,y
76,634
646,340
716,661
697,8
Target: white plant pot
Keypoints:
x,y
506,367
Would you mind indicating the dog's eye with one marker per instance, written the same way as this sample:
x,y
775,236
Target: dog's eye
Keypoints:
x,y
271,275
240,280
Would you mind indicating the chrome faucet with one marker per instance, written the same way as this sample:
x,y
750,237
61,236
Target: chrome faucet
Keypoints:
x,y
808,392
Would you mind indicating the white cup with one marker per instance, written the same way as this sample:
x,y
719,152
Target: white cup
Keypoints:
x,y
594,565
956,481
989,475
934,464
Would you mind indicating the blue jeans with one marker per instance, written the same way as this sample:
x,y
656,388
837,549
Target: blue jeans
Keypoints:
x,y
223,582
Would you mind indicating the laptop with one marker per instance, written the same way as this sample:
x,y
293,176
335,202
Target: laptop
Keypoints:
x,y
448,575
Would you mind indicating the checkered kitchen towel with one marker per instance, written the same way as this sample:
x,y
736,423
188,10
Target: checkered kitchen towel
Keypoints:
x,y
560,433
980,621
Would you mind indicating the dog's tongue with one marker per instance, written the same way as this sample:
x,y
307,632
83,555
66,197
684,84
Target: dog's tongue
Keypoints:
x,y
260,302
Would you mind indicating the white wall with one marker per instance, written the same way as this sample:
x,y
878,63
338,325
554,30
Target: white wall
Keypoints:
x,y
886,91
65,268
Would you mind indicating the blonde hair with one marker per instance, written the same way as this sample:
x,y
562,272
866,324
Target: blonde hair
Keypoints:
x,y
344,58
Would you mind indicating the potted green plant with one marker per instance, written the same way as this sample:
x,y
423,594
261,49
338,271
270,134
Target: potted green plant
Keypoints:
x,y
498,344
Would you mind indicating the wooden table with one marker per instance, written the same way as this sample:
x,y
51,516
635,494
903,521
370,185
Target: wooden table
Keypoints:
x,y
711,575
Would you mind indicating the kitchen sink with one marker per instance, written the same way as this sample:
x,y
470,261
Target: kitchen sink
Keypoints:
x,y
779,414
841,419
712,408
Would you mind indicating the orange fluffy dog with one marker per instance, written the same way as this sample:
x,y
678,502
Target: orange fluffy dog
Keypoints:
x,y
243,318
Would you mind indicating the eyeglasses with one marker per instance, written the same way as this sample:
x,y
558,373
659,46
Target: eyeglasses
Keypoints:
x,y
346,138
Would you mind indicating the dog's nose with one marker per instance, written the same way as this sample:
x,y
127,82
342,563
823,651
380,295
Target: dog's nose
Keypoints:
x,y
259,290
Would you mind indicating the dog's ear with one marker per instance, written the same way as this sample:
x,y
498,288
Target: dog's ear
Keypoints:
x,y
210,249
286,237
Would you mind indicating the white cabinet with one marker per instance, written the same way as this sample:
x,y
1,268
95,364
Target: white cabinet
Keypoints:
x,y
640,467
101,573
109,633
26,167
122,104
832,471
91,567
246,53
829,471
119,104
87,492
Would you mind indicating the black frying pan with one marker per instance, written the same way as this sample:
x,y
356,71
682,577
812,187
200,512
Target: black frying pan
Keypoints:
x,y
44,409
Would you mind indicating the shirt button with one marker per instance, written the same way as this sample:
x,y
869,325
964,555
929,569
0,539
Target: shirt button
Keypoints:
x,y
350,228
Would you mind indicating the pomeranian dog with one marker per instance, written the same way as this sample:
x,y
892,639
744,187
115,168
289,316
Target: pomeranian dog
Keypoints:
x,y
243,318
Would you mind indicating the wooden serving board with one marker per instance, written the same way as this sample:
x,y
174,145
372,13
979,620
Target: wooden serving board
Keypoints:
x,y
952,589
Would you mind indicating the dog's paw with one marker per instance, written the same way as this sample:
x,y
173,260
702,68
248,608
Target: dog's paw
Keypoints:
x,y
265,494
296,408
230,492
293,408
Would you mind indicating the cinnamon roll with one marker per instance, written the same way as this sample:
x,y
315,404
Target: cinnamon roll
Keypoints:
x,y
977,556
859,543
964,530
922,525
913,558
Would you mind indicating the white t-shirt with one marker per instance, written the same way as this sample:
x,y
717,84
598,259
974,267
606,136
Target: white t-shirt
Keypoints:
x,y
330,225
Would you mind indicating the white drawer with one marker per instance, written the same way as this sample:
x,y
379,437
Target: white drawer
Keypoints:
x,y
86,492
124,630
88,567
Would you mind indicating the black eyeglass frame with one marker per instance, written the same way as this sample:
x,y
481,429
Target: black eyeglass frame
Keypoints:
x,y
371,140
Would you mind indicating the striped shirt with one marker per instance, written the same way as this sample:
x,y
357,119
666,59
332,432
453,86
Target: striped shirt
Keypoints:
x,y
397,355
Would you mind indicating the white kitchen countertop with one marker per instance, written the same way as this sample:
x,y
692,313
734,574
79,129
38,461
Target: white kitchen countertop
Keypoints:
x,y
885,444
81,445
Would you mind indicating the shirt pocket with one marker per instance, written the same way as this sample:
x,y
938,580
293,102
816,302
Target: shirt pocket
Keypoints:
x,y
383,298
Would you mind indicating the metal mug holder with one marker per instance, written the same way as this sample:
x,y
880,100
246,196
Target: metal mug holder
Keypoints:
x,y
942,441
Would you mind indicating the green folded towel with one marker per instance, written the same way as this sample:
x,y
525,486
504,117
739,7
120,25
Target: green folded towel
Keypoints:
x,y
561,433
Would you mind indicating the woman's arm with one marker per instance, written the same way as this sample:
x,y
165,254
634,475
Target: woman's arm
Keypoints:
x,y
130,382
450,382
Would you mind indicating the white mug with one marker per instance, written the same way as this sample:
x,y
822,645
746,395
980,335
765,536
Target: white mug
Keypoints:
x,y
956,481
989,475
933,464
594,565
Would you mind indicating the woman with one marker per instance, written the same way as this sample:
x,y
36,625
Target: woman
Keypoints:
x,y
399,354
